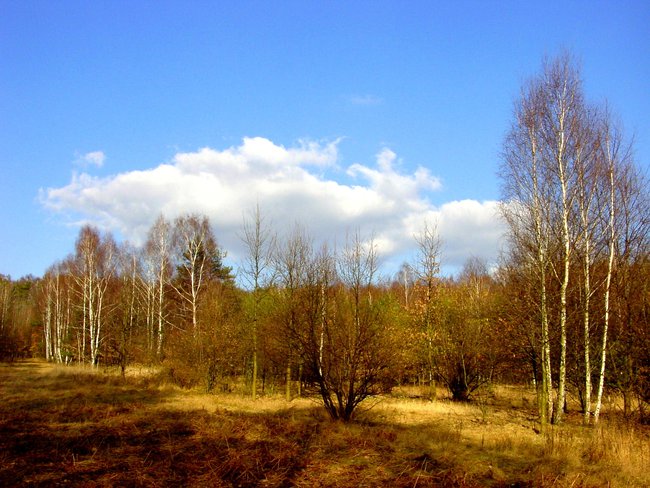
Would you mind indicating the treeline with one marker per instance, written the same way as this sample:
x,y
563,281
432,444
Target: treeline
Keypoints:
x,y
301,315
567,309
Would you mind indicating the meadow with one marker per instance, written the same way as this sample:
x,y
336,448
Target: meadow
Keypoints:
x,y
78,426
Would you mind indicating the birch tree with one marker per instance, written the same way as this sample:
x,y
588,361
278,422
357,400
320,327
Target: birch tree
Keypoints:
x,y
158,249
562,132
526,209
625,228
57,312
95,263
585,200
541,154
196,258
569,205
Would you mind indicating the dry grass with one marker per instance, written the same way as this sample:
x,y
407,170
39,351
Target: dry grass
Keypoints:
x,y
79,427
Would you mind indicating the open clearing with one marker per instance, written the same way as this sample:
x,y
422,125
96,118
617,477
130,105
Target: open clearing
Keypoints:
x,y
79,427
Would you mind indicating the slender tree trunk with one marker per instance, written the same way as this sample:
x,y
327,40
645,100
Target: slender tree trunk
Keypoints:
x,y
541,239
288,382
47,328
151,319
546,399
566,256
608,281
193,301
259,242
587,341
586,302
59,320
161,295
254,379
97,327
91,315
323,316
84,323
158,249
68,310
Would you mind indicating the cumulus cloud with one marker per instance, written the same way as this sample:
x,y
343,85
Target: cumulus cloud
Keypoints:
x,y
470,228
289,186
94,158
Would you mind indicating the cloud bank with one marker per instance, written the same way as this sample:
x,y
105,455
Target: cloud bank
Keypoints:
x,y
290,186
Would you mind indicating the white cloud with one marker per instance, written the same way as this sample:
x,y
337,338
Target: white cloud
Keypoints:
x,y
289,187
386,181
470,228
94,158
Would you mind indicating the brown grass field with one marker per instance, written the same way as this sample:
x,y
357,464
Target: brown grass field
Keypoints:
x,y
74,426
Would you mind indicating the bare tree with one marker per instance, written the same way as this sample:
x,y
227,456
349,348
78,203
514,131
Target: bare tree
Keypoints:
x,y
526,209
563,167
406,278
359,347
562,132
158,249
196,250
542,152
129,273
291,262
95,266
257,271
335,319
427,268
465,347
586,237
57,312
622,188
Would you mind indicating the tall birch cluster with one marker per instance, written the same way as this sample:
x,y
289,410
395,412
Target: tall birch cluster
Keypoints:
x,y
562,167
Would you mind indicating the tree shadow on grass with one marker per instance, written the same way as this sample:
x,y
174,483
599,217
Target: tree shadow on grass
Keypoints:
x,y
58,428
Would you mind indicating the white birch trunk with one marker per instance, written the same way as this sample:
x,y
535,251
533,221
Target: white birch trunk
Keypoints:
x,y
566,255
47,329
608,281
586,329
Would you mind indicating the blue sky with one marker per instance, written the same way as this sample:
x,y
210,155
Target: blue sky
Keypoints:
x,y
336,114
